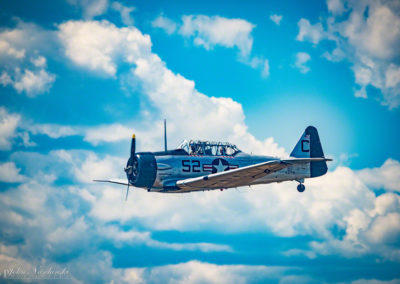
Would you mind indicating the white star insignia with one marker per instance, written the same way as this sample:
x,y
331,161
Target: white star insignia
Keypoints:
x,y
220,167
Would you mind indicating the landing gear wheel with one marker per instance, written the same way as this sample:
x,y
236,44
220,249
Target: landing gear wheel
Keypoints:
x,y
301,187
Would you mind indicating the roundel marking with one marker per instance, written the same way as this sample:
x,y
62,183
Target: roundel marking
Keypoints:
x,y
219,165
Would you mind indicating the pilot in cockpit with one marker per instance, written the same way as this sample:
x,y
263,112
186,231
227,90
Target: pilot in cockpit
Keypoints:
x,y
199,150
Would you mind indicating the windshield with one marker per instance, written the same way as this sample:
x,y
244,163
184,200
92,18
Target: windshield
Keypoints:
x,y
208,148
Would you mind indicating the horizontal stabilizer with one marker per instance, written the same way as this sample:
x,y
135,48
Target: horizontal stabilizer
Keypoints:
x,y
305,160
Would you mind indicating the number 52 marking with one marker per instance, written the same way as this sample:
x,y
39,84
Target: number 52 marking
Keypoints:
x,y
191,166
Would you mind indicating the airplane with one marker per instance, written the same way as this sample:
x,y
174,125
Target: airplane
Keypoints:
x,y
205,165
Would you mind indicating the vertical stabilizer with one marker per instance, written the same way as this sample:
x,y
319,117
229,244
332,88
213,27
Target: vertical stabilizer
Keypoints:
x,y
309,146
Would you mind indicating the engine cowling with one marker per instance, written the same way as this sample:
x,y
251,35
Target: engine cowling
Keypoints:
x,y
141,170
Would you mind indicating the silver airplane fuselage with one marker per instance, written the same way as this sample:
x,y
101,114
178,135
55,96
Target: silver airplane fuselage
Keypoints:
x,y
171,168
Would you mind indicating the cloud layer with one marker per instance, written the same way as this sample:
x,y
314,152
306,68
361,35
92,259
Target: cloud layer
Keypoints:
x,y
369,37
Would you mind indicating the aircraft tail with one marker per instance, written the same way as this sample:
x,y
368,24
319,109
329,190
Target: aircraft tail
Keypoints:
x,y
309,146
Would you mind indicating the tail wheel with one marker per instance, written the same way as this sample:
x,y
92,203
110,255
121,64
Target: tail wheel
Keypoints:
x,y
301,187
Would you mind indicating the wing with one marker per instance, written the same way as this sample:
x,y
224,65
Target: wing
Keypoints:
x,y
241,176
232,178
117,181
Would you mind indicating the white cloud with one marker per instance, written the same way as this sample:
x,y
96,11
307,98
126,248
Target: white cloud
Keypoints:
x,y
375,281
202,272
10,173
301,59
387,176
164,23
369,37
265,71
392,76
176,98
313,33
336,55
91,8
18,42
39,61
26,139
339,198
52,130
211,31
86,166
133,237
107,133
335,6
276,18
5,79
371,230
98,45
7,50
53,220
8,127
33,83
19,50
385,229
366,33
217,31
125,12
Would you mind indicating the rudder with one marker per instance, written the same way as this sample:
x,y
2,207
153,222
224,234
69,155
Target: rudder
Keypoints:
x,y
309,146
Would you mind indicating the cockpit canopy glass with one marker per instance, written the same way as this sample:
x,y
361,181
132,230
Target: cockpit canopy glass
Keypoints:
x,y
207,148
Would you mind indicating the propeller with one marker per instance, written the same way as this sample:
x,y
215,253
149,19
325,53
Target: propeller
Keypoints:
x,y
130,166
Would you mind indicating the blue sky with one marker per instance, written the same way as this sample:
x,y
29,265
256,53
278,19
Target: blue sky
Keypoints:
x,y
78,77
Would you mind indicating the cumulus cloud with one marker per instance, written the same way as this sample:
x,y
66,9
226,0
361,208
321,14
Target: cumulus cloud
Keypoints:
x,y
265,71
86,166
121,237
39,61
387,176
211,31
33,83
52,130
8,128
59,221
358,37
18,42
107,133
18,50
301,59
53,221
276,18
202,272
6,49
91,8
307,31
164,23
373,230
338,199
125,12
99,45
10,173
336,7
187,110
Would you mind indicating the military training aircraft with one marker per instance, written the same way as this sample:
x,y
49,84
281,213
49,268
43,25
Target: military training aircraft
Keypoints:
x,y
205,165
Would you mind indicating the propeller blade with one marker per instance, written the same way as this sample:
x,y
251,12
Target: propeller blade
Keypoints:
x,y
127,192
133,145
